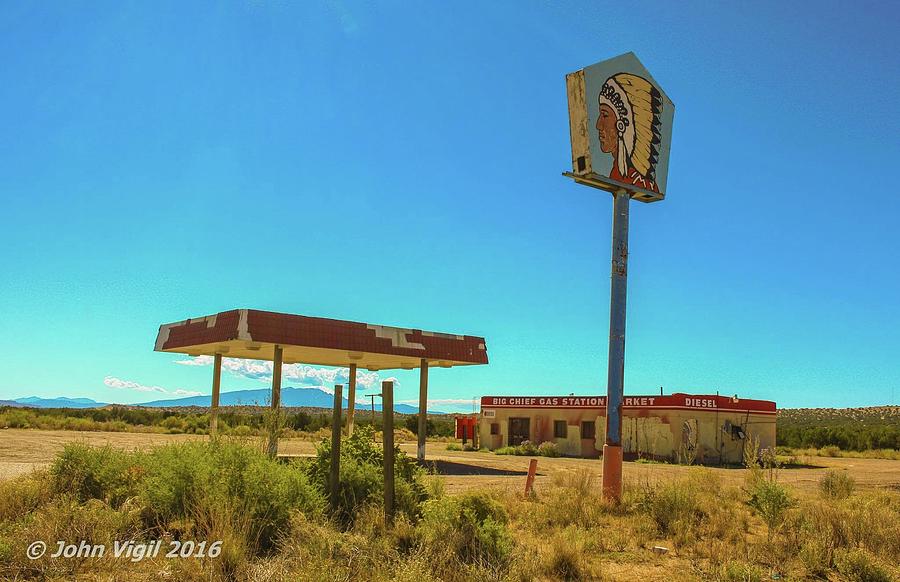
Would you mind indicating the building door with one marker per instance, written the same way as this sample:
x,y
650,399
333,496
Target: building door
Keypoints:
x,y
519,430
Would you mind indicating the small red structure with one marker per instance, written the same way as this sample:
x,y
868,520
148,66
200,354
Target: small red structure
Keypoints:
x,y
466,427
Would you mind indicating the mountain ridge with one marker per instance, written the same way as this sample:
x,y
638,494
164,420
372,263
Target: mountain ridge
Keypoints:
x,y
312,397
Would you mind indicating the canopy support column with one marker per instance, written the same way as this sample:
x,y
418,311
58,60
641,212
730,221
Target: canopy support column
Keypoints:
x,y
275,421
216,385
387,431
351,399
334,479
423,409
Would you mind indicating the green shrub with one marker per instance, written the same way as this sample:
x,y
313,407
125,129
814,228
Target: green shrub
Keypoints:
x,y
470,528
574,499
15,418
193,480
566,556
454,447
548,449
66,519
742,572
24,494
529,449
101,473
242,430
836,484
771,501
859,566
672,506
362,476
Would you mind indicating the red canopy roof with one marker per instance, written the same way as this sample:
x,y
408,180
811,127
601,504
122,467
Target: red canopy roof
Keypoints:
x,y
249,333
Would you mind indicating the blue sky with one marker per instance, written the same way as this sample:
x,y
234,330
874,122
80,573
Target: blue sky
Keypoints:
x,y
379,163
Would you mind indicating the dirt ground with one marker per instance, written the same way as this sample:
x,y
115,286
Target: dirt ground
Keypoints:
x,y
22,450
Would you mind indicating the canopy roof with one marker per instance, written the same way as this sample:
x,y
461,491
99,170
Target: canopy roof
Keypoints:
x,y
253,334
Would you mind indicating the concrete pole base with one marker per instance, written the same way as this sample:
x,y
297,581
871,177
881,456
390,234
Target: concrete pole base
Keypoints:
x,y
612,473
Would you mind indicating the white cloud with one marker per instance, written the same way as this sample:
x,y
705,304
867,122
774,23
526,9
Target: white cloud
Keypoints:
x,y
299,374
119,384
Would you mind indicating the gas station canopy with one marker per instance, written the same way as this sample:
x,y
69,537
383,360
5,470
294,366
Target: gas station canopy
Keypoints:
x,y
253,334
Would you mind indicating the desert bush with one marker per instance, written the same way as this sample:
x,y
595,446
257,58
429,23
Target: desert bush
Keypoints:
x,y
66,519
816,556
529,449
241,430
673,506
470,528
830,451
22,495
548,449
574,499
859,566
17,418
362,477
771,500
194,480
104,473
836,484
565,556
742,572
454,447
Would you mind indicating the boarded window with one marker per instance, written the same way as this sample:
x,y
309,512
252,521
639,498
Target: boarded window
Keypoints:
x,y
588,429
495,428
560,431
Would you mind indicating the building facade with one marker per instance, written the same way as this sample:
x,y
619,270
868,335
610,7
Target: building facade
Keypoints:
x,y
707,429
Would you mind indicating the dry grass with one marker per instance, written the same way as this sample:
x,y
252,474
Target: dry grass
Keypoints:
x,y
705,518
835,452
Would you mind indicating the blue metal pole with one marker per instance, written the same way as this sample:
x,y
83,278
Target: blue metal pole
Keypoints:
x,y
612,449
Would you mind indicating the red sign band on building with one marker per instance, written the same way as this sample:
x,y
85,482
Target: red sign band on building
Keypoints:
x,y
673,401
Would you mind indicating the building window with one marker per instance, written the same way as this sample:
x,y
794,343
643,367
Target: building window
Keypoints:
x,y
495,428
560,430
588,430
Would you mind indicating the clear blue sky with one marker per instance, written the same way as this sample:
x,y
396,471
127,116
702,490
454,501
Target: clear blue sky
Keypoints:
x,y
400,164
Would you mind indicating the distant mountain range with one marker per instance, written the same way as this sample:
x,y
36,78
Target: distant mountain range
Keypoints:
x,y
61,402
308,397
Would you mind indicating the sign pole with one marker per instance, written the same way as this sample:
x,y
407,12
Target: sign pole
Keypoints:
x,y
620,128
612,448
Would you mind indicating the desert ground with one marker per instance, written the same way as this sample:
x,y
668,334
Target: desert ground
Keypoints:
x,y
22,450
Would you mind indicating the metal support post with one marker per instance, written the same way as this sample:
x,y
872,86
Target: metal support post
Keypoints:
x,y
612,449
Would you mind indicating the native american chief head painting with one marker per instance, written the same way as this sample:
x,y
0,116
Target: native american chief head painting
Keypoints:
x,y
629,128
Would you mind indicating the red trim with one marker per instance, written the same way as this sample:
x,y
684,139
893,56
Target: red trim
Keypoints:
x,y
318,332
676,401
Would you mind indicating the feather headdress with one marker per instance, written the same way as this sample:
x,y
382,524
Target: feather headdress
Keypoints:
x,y
637,105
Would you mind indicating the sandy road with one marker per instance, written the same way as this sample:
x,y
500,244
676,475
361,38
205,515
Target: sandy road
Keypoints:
x,y
22,450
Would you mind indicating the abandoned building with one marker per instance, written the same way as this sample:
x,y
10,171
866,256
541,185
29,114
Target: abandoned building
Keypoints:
x,y
707,429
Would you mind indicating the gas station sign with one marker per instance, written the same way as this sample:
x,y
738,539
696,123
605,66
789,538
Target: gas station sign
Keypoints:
x,y
620,122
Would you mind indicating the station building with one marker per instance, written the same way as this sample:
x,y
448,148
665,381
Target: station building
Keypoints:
x,y
707,429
